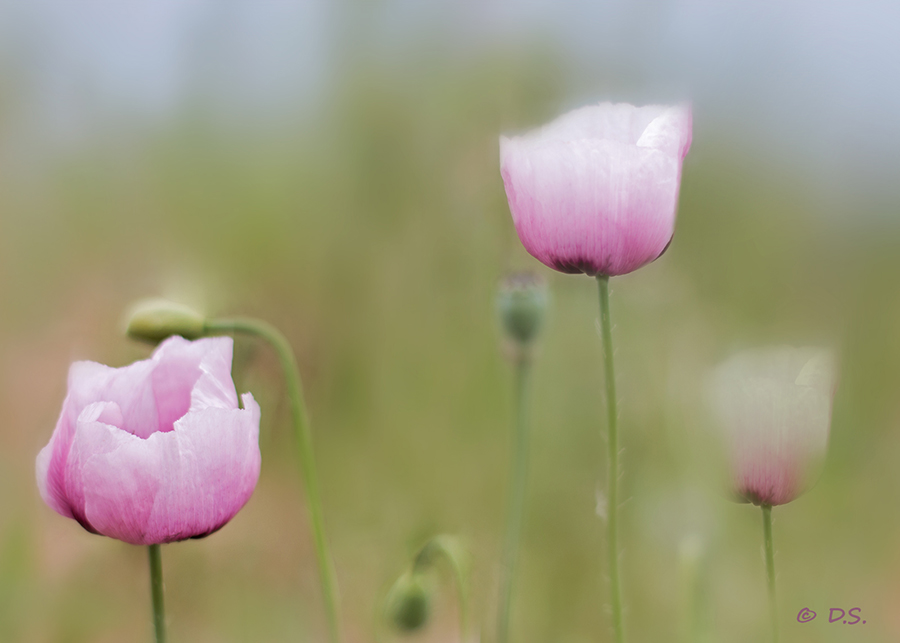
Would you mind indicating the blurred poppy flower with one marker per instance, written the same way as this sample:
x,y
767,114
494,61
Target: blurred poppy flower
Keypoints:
x,y
596,190
154,452
775,408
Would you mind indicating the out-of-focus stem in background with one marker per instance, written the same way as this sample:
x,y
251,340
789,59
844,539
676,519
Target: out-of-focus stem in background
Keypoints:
x,y
521,302
516,506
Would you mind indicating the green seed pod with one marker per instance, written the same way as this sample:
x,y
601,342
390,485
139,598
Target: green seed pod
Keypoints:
x,y
521,303
153,320
409,602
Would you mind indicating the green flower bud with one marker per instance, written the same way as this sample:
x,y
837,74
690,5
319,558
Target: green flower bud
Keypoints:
x,y
153,320
521,302
409,602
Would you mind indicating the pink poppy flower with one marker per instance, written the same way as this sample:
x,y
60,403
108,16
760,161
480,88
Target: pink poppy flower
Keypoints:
x,y
154,452
775,408
596,190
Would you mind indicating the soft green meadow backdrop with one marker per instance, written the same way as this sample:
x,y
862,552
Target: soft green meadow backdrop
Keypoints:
x,y
372,228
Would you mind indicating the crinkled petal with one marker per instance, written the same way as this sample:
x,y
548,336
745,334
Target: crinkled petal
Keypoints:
x,y
192,375
618,122
215,388
51,484
185,483
130,387
670,132
88,383
96,433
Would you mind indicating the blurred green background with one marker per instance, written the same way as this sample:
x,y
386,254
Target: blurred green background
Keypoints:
x,y
364,215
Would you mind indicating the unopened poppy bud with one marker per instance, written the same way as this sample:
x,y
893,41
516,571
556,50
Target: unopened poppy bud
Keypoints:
x,y
153,320
521,303
409,602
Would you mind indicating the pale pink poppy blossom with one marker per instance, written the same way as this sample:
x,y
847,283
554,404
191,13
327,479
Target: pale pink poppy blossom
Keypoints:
x,y
596,190
157,451
774,406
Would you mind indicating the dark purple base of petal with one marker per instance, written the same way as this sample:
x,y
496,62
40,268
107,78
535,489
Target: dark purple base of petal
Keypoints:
x,y
182,536
589,267
758,499
575,266
664,249
208,533
171,539
84,523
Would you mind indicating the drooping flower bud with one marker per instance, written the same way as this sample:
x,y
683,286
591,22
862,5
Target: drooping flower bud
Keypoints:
x,y
521,303
153,320
409,602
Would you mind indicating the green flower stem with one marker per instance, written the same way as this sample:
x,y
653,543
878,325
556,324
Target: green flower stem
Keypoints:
x,y
770,568
156,591
279,343
448,548
516,508
612,492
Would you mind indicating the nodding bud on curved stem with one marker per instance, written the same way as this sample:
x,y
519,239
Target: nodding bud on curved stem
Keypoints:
x,y
153,320
521,304
408,603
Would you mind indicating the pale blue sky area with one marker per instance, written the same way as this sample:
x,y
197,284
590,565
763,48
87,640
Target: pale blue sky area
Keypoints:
x,y
819,78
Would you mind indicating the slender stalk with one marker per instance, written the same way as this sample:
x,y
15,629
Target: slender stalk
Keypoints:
x,y
516,508
282,348
770,568
156,592
612,492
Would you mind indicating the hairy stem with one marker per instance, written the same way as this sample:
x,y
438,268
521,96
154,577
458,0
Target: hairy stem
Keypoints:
x,y
612,490
770,568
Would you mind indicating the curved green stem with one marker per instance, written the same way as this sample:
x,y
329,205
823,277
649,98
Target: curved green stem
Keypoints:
x,y
156,592
282,347
447,548
770,568
516,507
612,493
